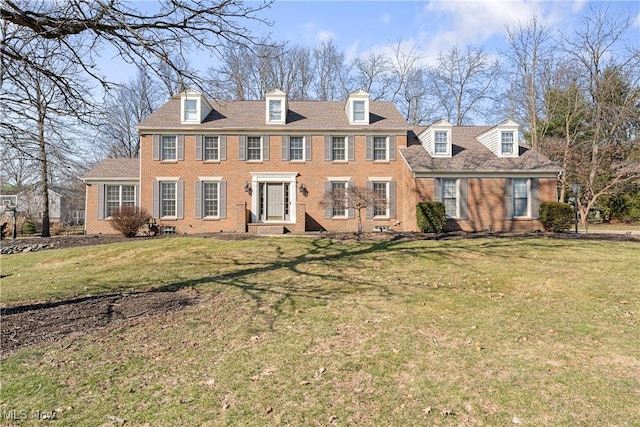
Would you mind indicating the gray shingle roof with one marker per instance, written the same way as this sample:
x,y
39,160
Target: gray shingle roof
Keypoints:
x,y
302,116
115,169
469,155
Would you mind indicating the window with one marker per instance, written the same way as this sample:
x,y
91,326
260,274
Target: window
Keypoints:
x,y
520,197
450,197
381,199
118,196
275,110
190,110
339,192
441,142
358,111
210,199
211,148
379,148
254,148
168,199
507,143
169,148
296,148
338,148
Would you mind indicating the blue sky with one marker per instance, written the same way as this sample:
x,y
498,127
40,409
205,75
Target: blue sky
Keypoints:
x,y
358,27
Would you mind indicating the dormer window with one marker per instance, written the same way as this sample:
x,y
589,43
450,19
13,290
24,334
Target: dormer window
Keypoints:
x,y
358,111
441,143
275,110
507,143
190,110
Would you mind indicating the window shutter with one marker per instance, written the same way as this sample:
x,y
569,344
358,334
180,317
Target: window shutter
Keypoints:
x,y
351,213
369,186
508,197
180,148
369,149
199,147
328,207
327,149
308,149
222,194
222,147
101,201
180,199
437,190
198,187
136,188
462,183
285,147
535,198
265,147
392,148
156,147
392,199
352,148
242,147
156,199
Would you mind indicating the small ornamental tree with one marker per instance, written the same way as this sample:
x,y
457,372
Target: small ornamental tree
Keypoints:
x,y
127,220
356,198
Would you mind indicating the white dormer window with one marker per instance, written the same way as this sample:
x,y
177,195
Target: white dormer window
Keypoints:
x,y
358,111
507,143
275,110
441,142
190,110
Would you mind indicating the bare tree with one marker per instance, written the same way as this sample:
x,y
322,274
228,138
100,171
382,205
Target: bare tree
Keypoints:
x,y
529,52
374,74
463,81
356,198
330,72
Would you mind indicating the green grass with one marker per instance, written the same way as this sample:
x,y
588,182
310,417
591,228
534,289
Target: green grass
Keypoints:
x,y
299,331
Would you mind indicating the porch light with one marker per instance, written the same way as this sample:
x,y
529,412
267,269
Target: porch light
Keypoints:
x,y
303,189
247,187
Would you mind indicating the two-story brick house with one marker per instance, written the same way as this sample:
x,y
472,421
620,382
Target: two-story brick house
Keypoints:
x,y
265,166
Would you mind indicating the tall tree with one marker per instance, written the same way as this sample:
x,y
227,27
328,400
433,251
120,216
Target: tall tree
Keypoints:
x,y
463,82
331,73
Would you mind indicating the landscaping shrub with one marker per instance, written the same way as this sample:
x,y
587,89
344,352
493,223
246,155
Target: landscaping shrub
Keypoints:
x,y
127,220
556,216
29,227
432,217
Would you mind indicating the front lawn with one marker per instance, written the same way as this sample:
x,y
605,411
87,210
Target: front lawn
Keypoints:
x,y
305,331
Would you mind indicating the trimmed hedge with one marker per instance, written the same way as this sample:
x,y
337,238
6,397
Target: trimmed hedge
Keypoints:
x,y
432,217
556,216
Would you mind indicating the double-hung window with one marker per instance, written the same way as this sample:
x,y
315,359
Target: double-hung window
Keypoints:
x,y
169,148
190,110
358,111
254,148
380,148
520,197
507,143
296,148
450,196
338,148
339,199
381,197
168,199
117,196
211,199
211,148
275,110
440,142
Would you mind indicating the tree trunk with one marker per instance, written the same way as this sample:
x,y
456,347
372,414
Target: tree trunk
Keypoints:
x,y
44,167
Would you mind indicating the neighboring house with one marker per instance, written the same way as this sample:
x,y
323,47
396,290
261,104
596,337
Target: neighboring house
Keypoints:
x,y
30,205
265,166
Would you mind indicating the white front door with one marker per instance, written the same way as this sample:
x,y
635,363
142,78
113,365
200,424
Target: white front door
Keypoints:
x,y
274,201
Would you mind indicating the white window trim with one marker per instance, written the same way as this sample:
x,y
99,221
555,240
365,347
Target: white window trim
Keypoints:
x,y
247,149
386,150
514,145
363,111
346,149
160,197
204,150
346,209
106,207
447,152
304,149
457,183
175,141
386,183
513,198
183,110
202,201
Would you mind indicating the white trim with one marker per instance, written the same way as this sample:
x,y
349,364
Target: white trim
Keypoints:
x,y
480,174
209,178
167,178
380,179
274,177
338,178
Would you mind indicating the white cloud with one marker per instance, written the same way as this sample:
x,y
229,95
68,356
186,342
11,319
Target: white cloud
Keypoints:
x,y
386,18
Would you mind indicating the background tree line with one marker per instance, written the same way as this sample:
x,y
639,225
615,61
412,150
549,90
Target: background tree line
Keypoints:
x,y
576,95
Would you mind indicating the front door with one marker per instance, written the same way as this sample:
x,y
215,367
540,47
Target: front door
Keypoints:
x,y
274,201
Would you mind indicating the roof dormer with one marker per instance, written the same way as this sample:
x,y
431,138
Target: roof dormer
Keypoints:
x,y
436,139
357,107
276,111
194,107
502,139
